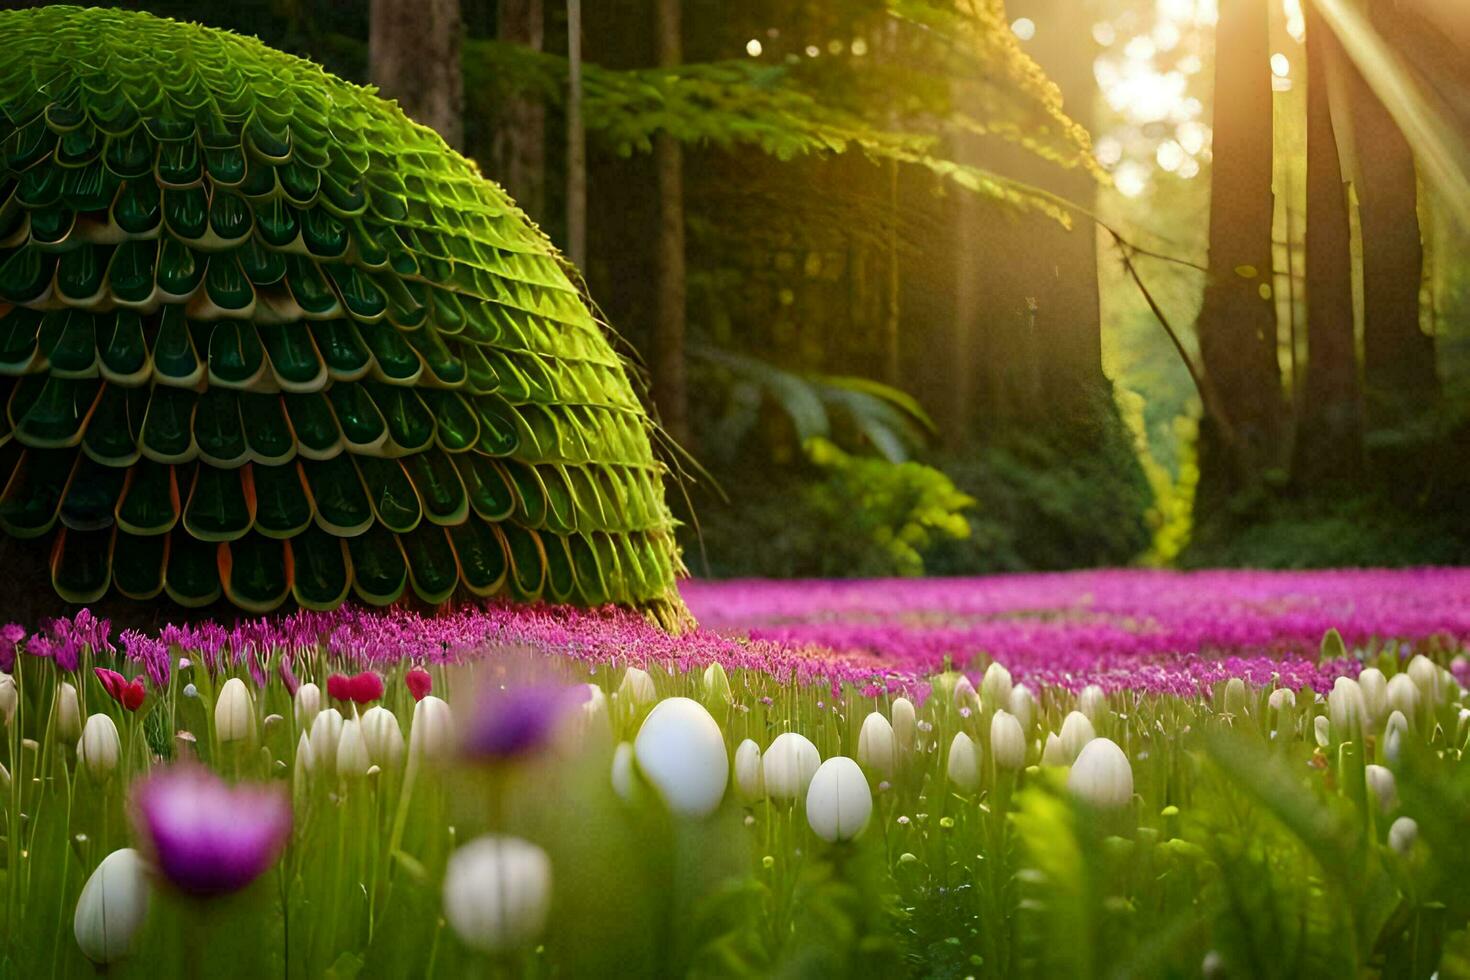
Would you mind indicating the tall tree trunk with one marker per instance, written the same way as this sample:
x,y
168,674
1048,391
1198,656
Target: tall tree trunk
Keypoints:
x,y
1067,316
576,141
1399,378
670,390
413,56
520,140
1329,437
1237,323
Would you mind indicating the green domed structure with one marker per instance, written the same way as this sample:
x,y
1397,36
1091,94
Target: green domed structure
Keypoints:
x,y
264,337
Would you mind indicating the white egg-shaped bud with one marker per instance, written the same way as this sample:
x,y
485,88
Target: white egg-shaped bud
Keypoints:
x,y
307,704
234,712
995,688
790,762
383,737
99,747
1102,776
497,893
750,777
716,683
1023,706
431,731
326,732
963,765
1375,694
838,802
1403,696
681,751
637,687
1007,741
876,748
353,758
68,713
1402,834
1381,784
905,724
113,907
1076,732
1093,702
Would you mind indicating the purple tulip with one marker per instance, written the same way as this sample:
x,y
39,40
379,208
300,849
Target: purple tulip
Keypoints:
x,y
207,837
512,723
10,635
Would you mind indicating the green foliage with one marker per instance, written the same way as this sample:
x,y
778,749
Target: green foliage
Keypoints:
x,y
1051,501
859,412
839,515
724,104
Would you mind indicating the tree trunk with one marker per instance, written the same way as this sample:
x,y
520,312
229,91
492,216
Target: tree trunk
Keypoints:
x,y
1399,378
670,390
1237,323
520,140
1329,438
1066,317
413,56
576,141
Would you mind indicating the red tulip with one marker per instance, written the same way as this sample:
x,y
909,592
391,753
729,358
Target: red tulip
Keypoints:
x,y
419,683
365,687
362,688
132,696
339,687
112,682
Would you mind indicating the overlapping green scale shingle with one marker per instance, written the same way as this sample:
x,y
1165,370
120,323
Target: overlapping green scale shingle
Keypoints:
x,y
262,336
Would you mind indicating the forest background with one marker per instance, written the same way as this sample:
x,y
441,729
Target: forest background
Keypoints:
x,y
952,287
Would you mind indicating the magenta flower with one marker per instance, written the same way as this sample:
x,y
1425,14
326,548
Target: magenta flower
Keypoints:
x,y
10,635
419,683
508,724
207,837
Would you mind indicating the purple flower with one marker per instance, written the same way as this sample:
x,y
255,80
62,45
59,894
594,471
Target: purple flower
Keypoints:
x,y
10,635
207,837
519,721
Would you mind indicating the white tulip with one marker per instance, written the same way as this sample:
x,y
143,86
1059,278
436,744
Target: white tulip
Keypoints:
x,y
637,687
68,713
113,907
1054,754
1235,696
1375,693
353,758
1093,702
234,712
875,749
99,747
326,732
750,778
681,751
305,764
963,767
1076,732
838,802
1402,834
905,724
308,701
789,763
431,733
995,687
1346,708
1322,730
1381,784
622,771
383,736
595,719
1393,736
1282,697
497,892
1403,696
1023,706
716,683
1007,741
9,697
1101,776
964,693
1426,676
